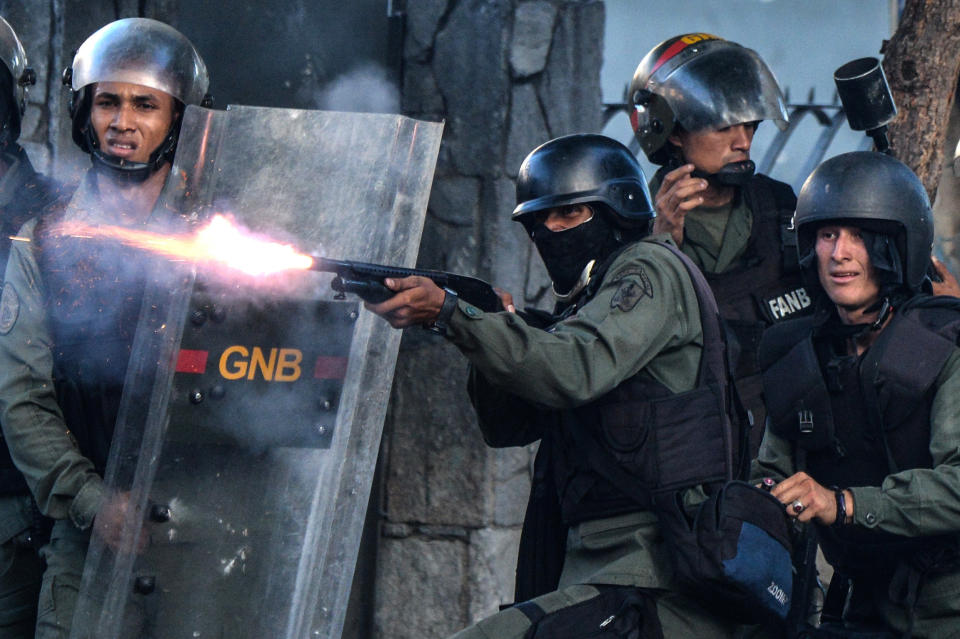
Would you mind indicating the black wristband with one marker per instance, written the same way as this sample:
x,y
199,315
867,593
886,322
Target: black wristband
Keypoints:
x,y
442,321
841,519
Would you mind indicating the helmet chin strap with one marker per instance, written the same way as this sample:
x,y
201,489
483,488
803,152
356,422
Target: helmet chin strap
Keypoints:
x,y
579,286
125,170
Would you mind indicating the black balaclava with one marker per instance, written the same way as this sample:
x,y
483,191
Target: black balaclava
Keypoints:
x,y
567,253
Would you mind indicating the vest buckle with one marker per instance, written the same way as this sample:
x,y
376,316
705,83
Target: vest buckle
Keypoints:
x,y
806,421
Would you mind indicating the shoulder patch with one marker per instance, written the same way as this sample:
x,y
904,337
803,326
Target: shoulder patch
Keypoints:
x,y
633,290
9,308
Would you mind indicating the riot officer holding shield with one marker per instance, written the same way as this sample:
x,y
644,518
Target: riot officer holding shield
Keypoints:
x,y
23,194
696,102
70,306
862,403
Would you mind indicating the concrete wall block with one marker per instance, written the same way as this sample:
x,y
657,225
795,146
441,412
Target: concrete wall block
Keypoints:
x,y
532,32
527,127
421,588
421,97
493,563
570,85
437,456
511,475
471,71
448,247
504,243
455,200
422,19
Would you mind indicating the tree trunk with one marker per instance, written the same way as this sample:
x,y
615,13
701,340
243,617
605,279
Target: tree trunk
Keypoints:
x,y
922,64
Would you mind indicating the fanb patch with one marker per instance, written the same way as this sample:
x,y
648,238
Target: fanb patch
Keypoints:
x,y
632,290
9,308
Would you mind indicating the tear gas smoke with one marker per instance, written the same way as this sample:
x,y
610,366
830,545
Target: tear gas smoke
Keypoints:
x,y
364,89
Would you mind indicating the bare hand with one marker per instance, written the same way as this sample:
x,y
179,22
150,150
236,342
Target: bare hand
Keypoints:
x,y
949,285
678,194
805,499
109,526
506,299
418,301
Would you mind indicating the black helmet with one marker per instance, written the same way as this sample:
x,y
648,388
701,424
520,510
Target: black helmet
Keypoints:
x,y
139,51
876,192
583,168
701,82
16,77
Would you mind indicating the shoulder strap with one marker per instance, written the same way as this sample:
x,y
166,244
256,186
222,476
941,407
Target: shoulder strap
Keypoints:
x,y
767,196
713,363
715,366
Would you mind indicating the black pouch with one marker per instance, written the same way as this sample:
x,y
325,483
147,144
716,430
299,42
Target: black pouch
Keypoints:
x,y
735,555
617,612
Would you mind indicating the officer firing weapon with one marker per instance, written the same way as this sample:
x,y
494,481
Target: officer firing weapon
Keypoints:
x,y
222,242
366,281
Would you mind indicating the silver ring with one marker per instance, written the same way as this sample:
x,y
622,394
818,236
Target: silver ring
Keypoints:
x,y
797,506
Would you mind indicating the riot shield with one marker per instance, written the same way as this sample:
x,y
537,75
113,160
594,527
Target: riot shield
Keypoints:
x,y
252,407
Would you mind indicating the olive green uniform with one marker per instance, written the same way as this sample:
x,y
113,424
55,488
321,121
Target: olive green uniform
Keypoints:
x,y
64,482
23,194
715,237
917,502
613,337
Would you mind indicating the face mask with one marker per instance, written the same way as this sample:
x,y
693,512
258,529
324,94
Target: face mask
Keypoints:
x,y
567,253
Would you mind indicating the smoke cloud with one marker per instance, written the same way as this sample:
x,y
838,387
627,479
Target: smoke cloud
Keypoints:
x,y
364,89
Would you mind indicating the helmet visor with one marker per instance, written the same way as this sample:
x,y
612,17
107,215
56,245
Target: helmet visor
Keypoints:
x,y
732,86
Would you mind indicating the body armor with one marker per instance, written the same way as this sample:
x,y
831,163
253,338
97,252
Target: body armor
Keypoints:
x,y
661,440
858,419
94,293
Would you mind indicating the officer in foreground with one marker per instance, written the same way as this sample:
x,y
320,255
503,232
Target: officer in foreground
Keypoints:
x,y
626,331
23,194
863,400
70,306
696,103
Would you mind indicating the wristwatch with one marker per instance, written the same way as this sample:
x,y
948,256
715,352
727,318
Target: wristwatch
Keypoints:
x,y
442,321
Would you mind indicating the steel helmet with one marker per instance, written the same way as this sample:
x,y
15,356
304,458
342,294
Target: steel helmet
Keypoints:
x,y
136,51
21,76
700,82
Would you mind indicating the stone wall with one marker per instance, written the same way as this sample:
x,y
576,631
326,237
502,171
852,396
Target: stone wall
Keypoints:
x,y
452,507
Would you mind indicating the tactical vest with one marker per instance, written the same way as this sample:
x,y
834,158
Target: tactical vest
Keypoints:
x,y
663,440
94,293
764,288
855,420
34,194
